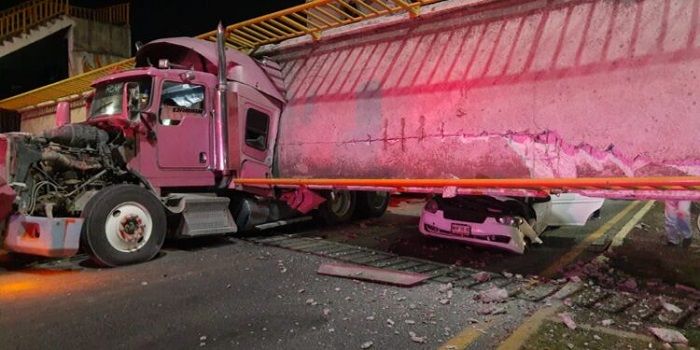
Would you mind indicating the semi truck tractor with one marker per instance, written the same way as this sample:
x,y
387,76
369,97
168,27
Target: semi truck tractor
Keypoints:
x,y
158,155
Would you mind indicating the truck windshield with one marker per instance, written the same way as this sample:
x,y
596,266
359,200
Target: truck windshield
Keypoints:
x,y
108,97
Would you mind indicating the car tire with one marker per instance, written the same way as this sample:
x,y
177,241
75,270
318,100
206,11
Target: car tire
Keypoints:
x,y
124,224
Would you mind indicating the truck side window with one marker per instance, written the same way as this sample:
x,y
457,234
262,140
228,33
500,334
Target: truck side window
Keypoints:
x,y
180,100
256,127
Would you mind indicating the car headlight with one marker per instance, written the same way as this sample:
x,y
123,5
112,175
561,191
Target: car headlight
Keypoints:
x,y
431,206
510,220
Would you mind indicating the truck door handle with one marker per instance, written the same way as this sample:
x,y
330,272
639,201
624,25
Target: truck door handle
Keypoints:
x,y
202,157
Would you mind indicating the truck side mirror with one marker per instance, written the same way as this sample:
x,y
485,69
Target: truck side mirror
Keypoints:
x,y
132,93
62,113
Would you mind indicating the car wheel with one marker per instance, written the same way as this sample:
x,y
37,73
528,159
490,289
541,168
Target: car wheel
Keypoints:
x,y
124,224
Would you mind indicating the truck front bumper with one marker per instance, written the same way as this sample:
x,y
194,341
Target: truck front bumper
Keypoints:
x,y
52,237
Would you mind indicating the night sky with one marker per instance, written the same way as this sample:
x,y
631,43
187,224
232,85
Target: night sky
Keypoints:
x,y
28,68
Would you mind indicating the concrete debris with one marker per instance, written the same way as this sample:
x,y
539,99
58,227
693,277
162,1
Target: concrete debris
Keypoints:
x,y
449,192
507,274
449,294
575,279
607,322
372,274
144,283
390,322
311,302
301,291
472,320
642,226
370,318
569,345
629,285
203,338
597,337
444,301
411,306
669,335
445,287
568,320
670,307
491,295
409,322
482,276
416,338
366,345
326,312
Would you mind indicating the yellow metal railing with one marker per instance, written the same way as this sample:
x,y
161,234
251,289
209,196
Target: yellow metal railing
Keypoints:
x,y
117,14
23,17
311,18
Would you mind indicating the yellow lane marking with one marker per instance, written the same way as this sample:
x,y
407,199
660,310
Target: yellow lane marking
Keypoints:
x,y
620,236
527,328
465,338
572,254
609,331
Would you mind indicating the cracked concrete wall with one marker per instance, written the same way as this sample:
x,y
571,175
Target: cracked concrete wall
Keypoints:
x,y
511,89
95,44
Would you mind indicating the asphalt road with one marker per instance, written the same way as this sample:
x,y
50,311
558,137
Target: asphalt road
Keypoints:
x,y
229,293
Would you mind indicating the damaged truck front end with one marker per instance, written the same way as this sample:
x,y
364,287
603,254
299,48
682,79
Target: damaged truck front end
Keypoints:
x,y
46,181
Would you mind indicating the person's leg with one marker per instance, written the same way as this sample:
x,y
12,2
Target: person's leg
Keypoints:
x,y
683,223
671,223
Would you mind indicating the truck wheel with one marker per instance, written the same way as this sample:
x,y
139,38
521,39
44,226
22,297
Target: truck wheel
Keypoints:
x,y
338,208
124,224
371,204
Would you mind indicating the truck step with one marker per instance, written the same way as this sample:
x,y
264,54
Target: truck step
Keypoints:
x,y
205,215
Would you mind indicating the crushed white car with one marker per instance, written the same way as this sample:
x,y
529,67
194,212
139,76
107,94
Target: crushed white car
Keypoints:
x,y
507,223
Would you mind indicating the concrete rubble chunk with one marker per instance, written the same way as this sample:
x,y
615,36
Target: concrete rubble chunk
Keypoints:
x,y
568,320
372,274
669,335
415,338
366,345
445,287
444,301
481,276
493,294
670,307
607,322
409,322
390,322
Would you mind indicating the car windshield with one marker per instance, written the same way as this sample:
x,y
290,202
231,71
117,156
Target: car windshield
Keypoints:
x,y
108,97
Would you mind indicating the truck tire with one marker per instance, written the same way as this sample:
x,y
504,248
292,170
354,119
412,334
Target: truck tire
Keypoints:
x,y
339,207
371,204
124,224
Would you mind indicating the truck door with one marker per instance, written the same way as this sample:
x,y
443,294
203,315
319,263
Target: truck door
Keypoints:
x,y
259,118
183,126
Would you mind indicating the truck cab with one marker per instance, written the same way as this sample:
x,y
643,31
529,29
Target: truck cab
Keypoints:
x,y
159,155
